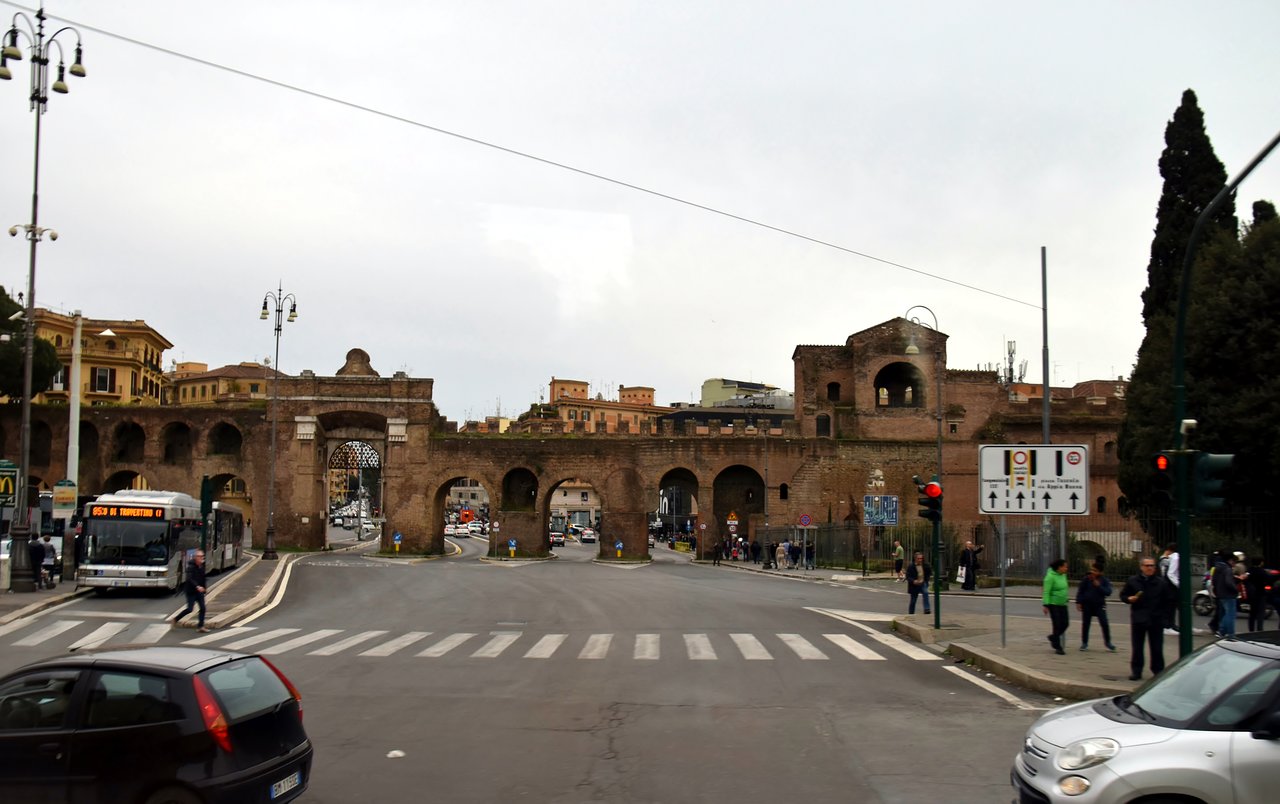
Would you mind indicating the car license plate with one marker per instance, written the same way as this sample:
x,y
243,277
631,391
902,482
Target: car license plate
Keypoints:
x,y
286,784
119,583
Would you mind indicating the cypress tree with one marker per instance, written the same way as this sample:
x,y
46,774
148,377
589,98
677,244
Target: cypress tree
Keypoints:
x,y
1193,176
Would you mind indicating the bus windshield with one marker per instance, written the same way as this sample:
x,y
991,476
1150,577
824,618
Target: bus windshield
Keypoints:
x,y
111,542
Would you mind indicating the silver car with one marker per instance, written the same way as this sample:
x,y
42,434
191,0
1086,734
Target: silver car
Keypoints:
x,y
1207,730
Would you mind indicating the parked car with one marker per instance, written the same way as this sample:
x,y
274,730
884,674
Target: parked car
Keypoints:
x,y
152,724
557,539
336,521
652,541
1206,729
587,536
450,530
475,527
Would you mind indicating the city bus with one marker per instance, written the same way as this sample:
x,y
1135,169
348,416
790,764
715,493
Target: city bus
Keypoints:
x,y
138,539
225,538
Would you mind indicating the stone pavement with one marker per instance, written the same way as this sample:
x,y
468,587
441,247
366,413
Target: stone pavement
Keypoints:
x,y
1023,656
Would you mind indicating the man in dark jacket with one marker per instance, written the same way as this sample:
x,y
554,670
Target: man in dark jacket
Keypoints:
x,y
1147,595
1091,602
918,577
194,587
1226,593
35,554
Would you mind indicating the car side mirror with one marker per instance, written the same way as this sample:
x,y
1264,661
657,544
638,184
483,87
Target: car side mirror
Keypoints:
x,y
1268,728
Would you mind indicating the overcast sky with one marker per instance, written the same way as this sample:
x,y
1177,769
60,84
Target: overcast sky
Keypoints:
x,y
956,139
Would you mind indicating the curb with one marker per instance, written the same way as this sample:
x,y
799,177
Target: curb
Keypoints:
x,y
264,594
1033,679
47,602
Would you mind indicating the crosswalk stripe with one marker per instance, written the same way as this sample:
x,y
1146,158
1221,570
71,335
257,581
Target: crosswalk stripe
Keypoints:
x,y
854,648
400,642
61,626
445,645
545,647
751,648
597,646
299,641
258,639
343,644
699,647
802,647
905,648
151,634
646,647
218,636
100,634
500,641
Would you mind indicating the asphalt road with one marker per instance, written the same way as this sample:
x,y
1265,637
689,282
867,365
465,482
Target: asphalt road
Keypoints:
x,y
464,680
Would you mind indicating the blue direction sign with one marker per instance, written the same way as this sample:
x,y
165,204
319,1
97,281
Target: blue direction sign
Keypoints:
x,y
397,537
617,545
880,509
511,543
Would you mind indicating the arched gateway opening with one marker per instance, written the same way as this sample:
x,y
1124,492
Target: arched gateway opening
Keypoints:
x,y
355,491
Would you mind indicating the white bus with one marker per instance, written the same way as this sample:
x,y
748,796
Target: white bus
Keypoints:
x,y
139,539
225,538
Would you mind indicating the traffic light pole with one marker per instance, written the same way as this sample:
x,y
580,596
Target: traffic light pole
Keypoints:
x,y
937,574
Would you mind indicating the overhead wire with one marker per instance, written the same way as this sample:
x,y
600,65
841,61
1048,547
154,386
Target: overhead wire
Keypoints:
x,y
530,156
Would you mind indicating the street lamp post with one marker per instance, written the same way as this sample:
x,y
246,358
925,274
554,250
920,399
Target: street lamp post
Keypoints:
x,y
277,297
912,349
39,47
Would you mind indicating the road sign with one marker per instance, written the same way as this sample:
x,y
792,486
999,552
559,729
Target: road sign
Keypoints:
x,y
733,528
880,509
64,499
511,543
1033,479
702,526
397,537
8,481
733,518
617,545
805,520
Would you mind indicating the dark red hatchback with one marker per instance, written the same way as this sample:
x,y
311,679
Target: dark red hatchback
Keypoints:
x,y
155,725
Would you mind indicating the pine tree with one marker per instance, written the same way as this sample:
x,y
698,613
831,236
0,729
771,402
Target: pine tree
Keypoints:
x,y
1193,176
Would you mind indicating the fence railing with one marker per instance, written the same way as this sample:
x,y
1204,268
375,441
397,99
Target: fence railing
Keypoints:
x,y
1031,543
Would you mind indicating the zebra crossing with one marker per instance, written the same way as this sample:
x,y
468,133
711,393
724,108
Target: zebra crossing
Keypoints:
x,y
74,634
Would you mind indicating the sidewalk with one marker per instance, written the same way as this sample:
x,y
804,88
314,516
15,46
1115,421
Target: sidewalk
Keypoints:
x,y
232,595
1025,657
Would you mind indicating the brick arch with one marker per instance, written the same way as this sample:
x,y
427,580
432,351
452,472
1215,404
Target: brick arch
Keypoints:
x,y
41,443
128,442
224,439
177,443
739,489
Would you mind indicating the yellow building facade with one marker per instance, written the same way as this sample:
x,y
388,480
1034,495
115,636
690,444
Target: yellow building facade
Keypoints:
x,y
121,362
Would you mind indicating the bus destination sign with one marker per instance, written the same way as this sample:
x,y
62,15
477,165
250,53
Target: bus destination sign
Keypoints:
x,y
126,511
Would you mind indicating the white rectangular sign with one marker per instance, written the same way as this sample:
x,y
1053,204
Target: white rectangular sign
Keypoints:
x,y
1033,479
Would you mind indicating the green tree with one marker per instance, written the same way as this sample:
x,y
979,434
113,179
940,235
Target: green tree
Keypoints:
x,y
1193,176
44,364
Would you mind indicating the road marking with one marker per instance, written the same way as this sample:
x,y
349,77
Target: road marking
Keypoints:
x,y
343,644
888,640
218,636
854,648
118,615
855,616
498,642
802,647
275,601
646,647
752,649
16,624
258,639
699,647
297,642
597,646
994,690
445,645
545,647
390,647
50,632
100,634
151,634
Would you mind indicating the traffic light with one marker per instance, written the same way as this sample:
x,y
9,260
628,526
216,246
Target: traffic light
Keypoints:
x,y
1162,479
1209,473
931,499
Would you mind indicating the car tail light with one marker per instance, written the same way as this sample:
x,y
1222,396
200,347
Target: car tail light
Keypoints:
x,y
214,721
297,696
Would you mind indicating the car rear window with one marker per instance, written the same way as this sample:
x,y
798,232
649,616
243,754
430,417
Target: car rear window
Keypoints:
x,y
246,687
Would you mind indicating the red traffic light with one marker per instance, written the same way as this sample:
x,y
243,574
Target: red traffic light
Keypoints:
x,y
1162,462
932,489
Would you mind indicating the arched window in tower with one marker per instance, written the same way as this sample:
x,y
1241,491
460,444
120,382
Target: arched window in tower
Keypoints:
x,y
906,396
783,491
833,392
824,425
1102,505
882,397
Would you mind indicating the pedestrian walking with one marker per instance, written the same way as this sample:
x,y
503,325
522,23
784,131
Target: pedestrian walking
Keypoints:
x,y
1146,595
917,578
194,587
793,555
899,558
810,549
969,561
1170,566
1227,592
1091,602
780,556
49,563
1256,592
717,553
755,551
35,554
1055,602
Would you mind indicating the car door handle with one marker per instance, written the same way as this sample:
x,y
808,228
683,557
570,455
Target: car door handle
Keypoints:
x,y
51,748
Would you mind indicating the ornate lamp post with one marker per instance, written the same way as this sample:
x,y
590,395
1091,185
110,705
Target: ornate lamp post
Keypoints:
x,y
912,349
278,298
39,47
